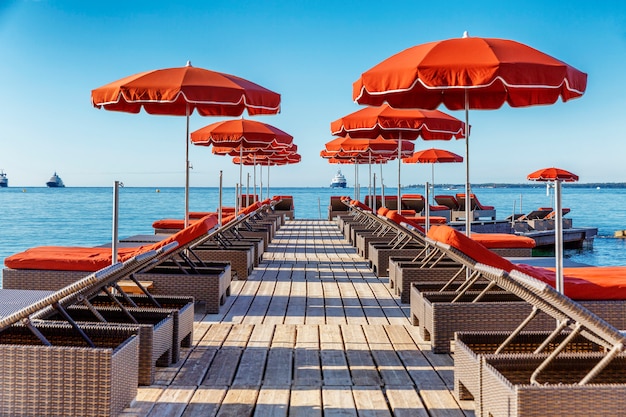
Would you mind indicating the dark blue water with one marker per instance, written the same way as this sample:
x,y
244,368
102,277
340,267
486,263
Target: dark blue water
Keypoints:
x,y
83,216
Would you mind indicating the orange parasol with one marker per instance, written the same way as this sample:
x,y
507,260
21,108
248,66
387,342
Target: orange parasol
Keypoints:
x,y
433,156
557,175
469,73
400,124
179,91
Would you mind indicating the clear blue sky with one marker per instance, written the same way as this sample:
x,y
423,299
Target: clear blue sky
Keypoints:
x,y
54,52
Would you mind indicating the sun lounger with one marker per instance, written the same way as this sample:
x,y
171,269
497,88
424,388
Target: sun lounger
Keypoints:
x,y
522,373
284,205
103,359
337,207
413,202
479,211
440,315
46,268
448,201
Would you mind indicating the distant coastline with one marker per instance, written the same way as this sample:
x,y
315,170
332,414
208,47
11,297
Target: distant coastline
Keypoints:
x,y
528,185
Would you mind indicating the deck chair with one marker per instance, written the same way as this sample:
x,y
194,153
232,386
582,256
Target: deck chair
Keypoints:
x,y
580,360
448,201
391,202
479,210
56,347
284,205
413,202
337,207
179,271
458,305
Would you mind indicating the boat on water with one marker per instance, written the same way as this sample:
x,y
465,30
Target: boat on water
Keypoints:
x,y
338,181
55,181
4,181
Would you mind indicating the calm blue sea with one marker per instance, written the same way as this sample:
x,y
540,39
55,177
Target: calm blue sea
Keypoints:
x,y
83,216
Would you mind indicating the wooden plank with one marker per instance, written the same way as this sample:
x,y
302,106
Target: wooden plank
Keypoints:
x,y
261,336
296,309
272,402
172,402
238,402
370,402
371,308
333,304
144,402
314,303
205,402
351,304
305,402
306,358
251,368
278,369
405,402
238,336
260,303
215,336
338,402
241,304
362,367
387,361
195,367
279,302
419,368
223,367
335,369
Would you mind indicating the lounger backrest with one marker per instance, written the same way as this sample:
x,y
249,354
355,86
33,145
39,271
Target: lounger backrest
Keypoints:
x,y
186,236
448,201
471,248
413,202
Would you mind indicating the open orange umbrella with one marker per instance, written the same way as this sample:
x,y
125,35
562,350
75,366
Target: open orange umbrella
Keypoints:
x,y
433,156
400,124
557,175
181,90
240,135
469,73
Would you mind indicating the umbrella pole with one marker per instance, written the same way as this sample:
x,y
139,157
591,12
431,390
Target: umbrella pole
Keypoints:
x,y
558,239
268,181
219,212
186,223
356,180
115,241
369,176
468,222
432,174
399,208
427,207
382,186
261,182
248,190
254,176
239,194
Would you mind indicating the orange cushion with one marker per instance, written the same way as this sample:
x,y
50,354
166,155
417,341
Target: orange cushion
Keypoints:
x,y
431,219
398,218
503,240
382,211
470,247
72,258
361,205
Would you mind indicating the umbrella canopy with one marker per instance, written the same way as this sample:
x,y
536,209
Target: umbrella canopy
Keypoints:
x,y
552,174
469,73
378,145
432,156
401,124
250,134
557,175
391,123
181,90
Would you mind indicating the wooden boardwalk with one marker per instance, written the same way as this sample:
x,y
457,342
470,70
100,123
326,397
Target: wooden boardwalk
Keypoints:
x,y
312,332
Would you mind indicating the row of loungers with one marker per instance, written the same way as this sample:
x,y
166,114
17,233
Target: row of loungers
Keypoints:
x,y
520,348
87,322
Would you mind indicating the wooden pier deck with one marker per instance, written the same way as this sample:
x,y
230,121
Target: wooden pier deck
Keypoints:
x,y
312,332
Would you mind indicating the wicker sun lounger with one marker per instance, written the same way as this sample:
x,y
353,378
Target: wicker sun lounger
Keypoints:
x,y
49,369
440,315
577,369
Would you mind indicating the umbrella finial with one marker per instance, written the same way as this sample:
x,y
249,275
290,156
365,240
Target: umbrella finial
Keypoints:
x,y
465,34
188,63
